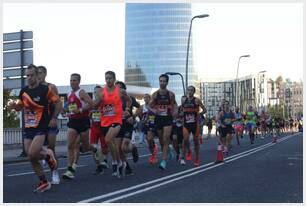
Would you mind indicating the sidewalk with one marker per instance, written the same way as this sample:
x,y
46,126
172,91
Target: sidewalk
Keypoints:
x,y
11,155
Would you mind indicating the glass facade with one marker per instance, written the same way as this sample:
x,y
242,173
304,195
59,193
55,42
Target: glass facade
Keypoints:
x,y
156,42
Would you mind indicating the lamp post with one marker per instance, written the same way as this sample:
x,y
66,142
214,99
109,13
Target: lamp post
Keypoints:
x,y
176,73
188,43
237,78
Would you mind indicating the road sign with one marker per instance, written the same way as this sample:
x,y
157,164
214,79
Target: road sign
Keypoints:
x,y
16,36
13,59
12,83
11,72
17,45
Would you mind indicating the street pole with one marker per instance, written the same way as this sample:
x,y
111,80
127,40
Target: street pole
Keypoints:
x,y
23,153
188,43
237,90
177,73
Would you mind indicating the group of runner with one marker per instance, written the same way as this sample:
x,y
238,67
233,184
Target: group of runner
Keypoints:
x,y
231,123
104,125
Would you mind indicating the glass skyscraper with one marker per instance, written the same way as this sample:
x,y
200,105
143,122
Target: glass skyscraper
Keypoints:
x,y
156,37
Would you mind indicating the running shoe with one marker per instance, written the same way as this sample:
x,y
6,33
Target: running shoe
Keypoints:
x,y
155,149
196,162
152,159
115,170
52,161
99,170
98,154
135,154
55,177
128,170
74,167
68,175
170,152
123,170
182,162
119,170
189,155
104,164
42,186
162,165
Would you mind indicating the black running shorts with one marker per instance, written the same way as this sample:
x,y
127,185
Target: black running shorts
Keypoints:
x,y
163,121
79,125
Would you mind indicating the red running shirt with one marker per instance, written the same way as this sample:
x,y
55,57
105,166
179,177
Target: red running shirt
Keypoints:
x,y
111,107
75,102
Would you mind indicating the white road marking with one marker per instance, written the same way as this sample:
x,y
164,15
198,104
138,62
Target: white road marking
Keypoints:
x,y
29,173
200,169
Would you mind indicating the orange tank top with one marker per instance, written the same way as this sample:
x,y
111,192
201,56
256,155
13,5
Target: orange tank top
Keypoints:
x,y
111,107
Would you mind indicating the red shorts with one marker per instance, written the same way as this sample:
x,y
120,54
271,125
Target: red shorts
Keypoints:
x,y
95,135
238,128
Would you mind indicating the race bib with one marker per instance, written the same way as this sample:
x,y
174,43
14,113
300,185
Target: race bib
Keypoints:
x,y
227,121
96,116
190,118
163,110
109,110
71,107
151,119
31,119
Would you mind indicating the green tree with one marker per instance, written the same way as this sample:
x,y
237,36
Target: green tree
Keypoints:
x,y
10,118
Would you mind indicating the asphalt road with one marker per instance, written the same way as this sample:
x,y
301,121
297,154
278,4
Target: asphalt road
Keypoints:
x,y
258,173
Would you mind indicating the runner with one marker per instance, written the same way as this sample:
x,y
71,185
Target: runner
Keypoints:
x,y
148,117
291,124
109,100
257,127
123,140
209,127
163,104
191,107
52,132
178,135
78,124
251,123
202,121
95,135
263,124
226,119
34,100
238,125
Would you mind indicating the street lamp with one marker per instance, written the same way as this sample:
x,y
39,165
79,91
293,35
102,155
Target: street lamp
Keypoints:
x,y
237,78
176,73
198,16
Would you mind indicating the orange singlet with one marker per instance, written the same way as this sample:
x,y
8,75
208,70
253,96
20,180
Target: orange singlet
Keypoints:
x,y
111,107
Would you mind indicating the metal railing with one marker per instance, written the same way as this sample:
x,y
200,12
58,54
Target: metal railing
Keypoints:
x,y
14,136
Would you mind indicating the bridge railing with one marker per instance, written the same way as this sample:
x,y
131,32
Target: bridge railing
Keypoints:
x,y
14,136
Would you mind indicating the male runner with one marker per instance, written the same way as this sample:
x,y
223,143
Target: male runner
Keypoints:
x,y
191,107
34,100
52,132
163,104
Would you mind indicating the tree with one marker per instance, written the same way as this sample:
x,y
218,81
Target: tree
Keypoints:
x,y
10,118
